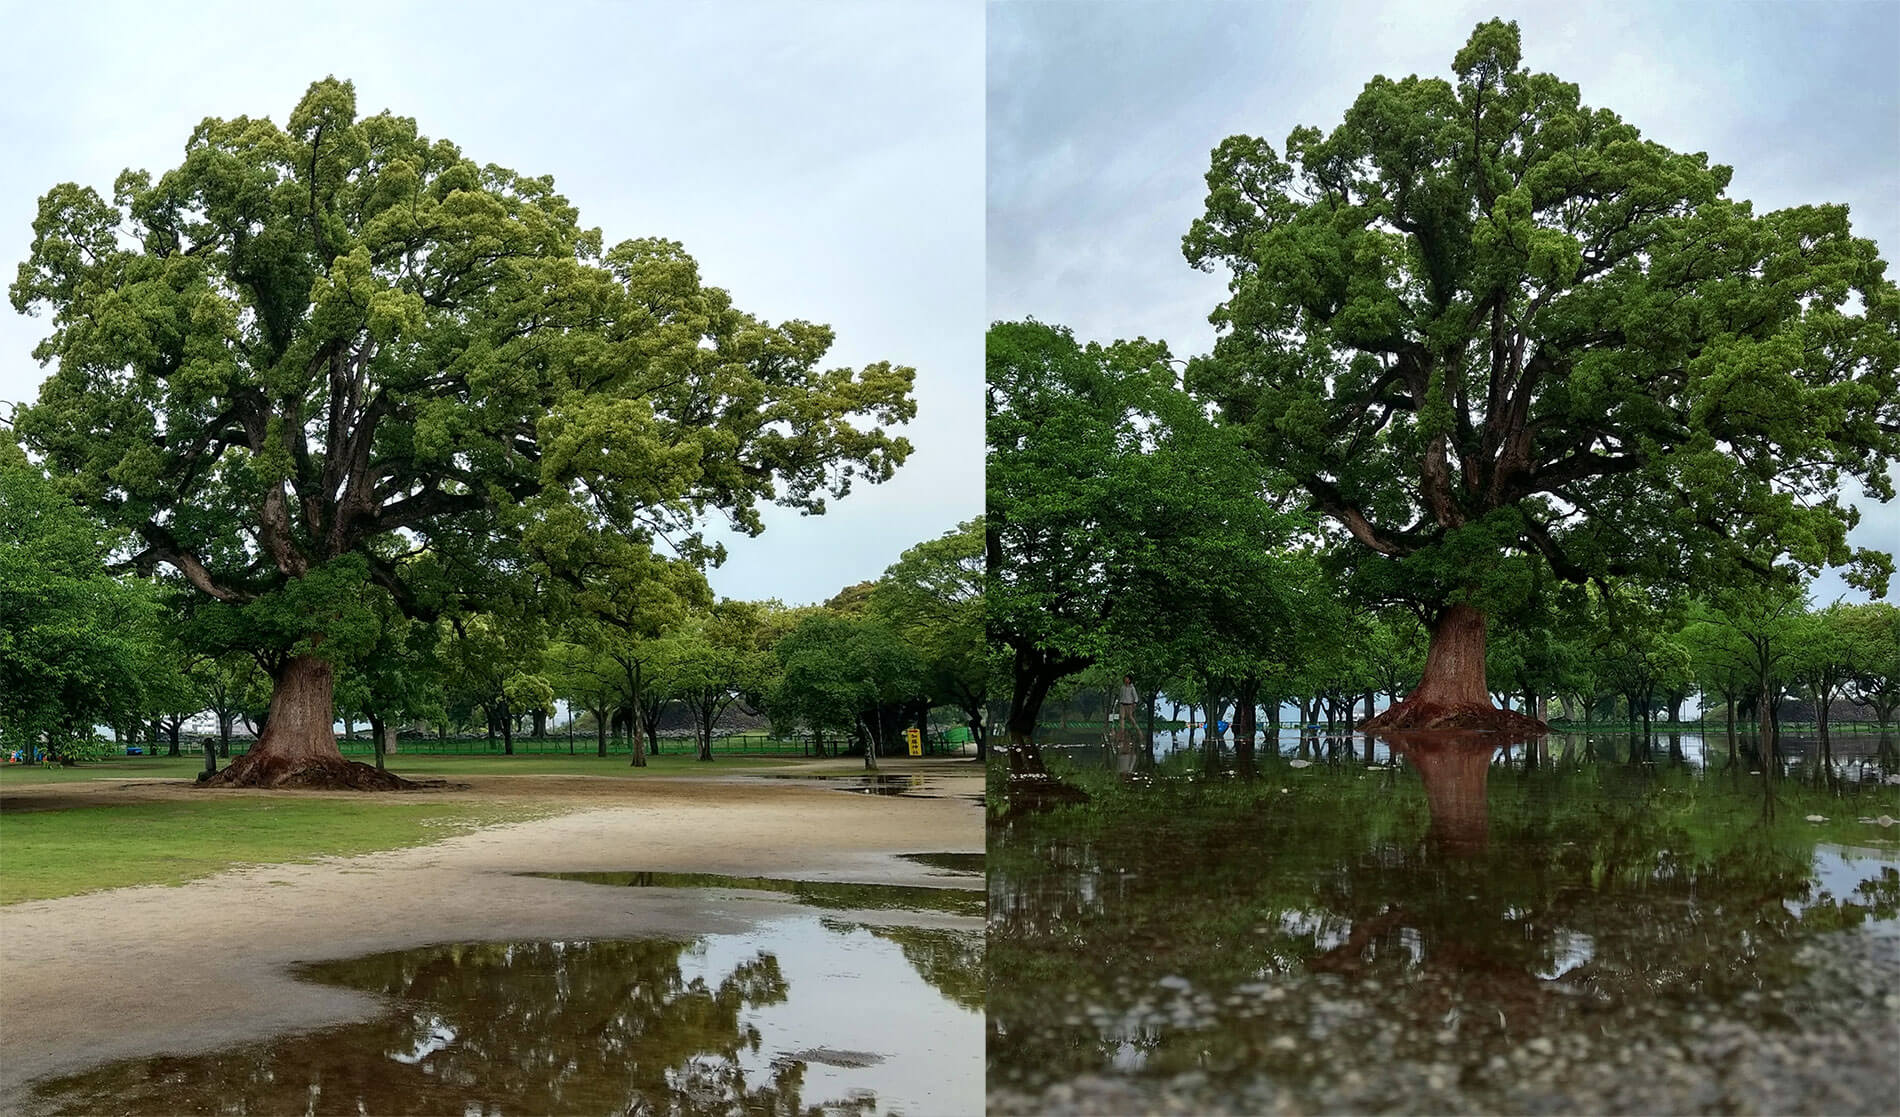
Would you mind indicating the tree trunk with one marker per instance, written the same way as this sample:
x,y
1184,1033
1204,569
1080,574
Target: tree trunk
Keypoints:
x,y
507,729
634,673
1148,737
1452,694
650,723
872,727
1244,705
1031,687
298,745
601,717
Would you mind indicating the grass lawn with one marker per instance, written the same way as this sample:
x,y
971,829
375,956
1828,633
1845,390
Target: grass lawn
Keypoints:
x,y
51,853
60,851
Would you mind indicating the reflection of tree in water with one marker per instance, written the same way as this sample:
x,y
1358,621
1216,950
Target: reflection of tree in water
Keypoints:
x,y
1197,934
526,1027
950,961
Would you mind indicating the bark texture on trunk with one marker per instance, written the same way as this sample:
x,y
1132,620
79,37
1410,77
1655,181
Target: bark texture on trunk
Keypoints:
x,y
1452,693
298,746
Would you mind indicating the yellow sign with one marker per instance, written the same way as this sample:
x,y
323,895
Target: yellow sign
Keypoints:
x,y
916,741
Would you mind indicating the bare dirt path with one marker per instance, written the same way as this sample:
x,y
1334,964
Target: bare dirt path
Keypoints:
x,y
138,971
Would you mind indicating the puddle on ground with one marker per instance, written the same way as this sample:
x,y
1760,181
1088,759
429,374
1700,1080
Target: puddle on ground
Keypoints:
x,y
807,1014
906,785
813,893
1455,928
911,786
971,863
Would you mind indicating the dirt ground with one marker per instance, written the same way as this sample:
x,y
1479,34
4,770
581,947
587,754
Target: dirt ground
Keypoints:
x,y
141,971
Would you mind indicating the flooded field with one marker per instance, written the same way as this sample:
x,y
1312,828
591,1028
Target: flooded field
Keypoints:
x,y
809,1014
1448,925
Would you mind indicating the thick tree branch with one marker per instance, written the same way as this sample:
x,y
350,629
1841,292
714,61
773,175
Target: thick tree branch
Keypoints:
x,y
162,547
1331,501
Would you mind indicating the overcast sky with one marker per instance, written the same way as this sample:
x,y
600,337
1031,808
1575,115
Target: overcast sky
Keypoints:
x,y
822,161
1102,116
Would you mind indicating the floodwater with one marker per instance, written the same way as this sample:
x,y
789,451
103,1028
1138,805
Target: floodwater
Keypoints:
x,y
1855,754
803,1014
1442,924
908,785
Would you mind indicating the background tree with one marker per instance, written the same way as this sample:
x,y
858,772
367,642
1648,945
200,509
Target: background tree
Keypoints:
x,y
623,597
720,656
1822,661
75,642
1109,494
932,598
849,671
590,680
1481,317
399,679
1874,630
310,350
1750,630
225,681
496,662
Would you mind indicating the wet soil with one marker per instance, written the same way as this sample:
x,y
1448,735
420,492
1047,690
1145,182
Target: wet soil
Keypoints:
x,y
183,970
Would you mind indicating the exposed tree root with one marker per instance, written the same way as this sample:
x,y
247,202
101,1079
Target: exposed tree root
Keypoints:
x,y
1415,715
307,773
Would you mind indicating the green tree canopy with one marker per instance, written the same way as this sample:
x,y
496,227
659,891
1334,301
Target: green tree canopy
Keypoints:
x,y
313,350
1114,503
932,597
1480,316
76,643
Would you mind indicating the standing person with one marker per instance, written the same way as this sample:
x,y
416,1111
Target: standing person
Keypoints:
x,y
1128,699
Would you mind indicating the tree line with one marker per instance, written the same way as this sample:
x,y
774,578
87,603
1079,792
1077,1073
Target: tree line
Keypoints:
x,y
1495,380
82,646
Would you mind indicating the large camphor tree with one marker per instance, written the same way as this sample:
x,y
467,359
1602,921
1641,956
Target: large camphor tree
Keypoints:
x,y
1480,316
313,361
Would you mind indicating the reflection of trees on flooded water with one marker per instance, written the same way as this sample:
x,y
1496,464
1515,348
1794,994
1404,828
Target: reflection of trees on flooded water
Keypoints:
x,y
529,1027
1466,894
950,961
